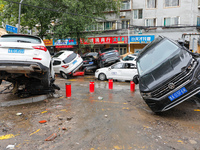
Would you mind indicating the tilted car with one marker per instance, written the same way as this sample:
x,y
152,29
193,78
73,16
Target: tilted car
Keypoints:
x,y
108,56
66,63
118,71
24,60
89,64
168,74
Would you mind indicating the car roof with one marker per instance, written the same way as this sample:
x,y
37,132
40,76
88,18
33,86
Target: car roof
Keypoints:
x,y
64,54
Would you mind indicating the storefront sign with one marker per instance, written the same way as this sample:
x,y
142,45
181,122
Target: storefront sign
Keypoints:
x,y
106,40
65,46
64,42
120,40
142,39
48,42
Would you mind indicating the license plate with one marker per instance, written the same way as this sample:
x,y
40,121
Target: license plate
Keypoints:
x,y
15,50
74,62
177,94
91,63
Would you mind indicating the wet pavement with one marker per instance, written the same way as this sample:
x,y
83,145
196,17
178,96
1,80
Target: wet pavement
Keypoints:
x,y
104,120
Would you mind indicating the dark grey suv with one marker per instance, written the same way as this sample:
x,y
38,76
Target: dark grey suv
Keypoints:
x,y
168,74
108,57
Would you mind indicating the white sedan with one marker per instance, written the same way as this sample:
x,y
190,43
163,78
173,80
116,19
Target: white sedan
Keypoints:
x,y
118,71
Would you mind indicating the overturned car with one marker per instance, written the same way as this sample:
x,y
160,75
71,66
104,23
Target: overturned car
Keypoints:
x,y
168,74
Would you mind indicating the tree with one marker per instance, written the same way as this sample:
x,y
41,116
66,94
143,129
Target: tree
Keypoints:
x,y
66,18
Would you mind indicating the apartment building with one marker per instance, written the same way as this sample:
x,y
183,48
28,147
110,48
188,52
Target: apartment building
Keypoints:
x,y
139,22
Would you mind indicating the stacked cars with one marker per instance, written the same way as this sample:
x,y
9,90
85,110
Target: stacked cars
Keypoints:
x,y
25,62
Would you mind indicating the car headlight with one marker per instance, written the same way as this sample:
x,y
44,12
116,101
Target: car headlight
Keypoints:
x,y
146,95
97,71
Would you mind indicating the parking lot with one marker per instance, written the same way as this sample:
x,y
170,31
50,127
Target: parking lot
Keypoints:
x,y
103,120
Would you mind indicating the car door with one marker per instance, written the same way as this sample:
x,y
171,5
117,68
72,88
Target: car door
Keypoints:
x,y
56,66
129,71
116,71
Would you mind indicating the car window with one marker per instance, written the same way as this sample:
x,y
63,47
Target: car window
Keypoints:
x,y
22,39
56,62
107,49
117,66
58,54
127,58
70,58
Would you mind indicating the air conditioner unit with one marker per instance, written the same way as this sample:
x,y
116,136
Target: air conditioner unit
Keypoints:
x,y
122,14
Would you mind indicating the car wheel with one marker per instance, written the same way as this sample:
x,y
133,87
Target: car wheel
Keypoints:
x,y
0,82
64,75
102,76
46,81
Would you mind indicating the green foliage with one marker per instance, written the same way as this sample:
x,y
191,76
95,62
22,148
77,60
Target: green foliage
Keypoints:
x,y
65,18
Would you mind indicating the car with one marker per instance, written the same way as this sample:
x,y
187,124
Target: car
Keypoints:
x,y
66,62
94,54
107,57
25,62
168,74
130,57
89,64
118,71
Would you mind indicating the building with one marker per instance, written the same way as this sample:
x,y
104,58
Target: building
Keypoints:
x,y
147,19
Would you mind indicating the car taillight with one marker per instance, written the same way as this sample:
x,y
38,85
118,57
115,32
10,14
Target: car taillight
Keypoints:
x,y
79,55
43,48
116,51
65,66
102,54
37,58
84,61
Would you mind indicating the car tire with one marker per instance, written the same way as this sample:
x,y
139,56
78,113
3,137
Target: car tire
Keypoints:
x,y
46,81
64,75
0,82
102,76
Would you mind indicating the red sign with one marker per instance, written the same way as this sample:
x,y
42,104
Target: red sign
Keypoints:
x,y
65,46
105,40
120,40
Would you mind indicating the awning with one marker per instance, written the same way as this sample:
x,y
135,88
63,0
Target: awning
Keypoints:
x,y
2,31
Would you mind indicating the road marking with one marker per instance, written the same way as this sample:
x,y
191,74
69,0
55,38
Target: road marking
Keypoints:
x,y
35,132
43,112
196,109
8,136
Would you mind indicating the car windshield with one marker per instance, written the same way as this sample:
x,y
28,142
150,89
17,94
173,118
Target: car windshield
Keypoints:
x,y
106,50
58,54
154,54
22,39
87,58
69,58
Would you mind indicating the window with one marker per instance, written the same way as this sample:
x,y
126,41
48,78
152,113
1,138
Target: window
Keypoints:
x,y
171,3
150,22
171,21
138,14
198,21
125,24
151,3
117,66
95,27
109,25
125,5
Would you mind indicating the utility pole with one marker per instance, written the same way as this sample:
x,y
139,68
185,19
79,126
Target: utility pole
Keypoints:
x,y
128,39
18,31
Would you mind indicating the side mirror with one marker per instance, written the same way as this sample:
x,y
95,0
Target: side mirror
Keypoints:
x,y
136,79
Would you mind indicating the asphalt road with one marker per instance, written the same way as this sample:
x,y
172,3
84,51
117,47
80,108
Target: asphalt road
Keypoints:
x,y
104,120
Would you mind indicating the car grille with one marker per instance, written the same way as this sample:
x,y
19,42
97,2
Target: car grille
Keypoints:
x,y
177,81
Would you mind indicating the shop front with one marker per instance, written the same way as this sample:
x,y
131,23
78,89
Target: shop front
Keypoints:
x,y
95,44
55,46
137,43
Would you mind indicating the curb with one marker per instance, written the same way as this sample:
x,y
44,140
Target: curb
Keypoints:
x,y
24,101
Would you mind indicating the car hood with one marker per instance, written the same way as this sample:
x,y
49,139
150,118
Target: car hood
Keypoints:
x,y
165,71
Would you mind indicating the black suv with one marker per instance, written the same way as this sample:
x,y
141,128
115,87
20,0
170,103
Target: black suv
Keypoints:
x,y
168,74
89,64
107,57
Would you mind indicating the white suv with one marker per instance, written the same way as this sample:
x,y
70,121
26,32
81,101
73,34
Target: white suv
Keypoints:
x,y
66,63
24,60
